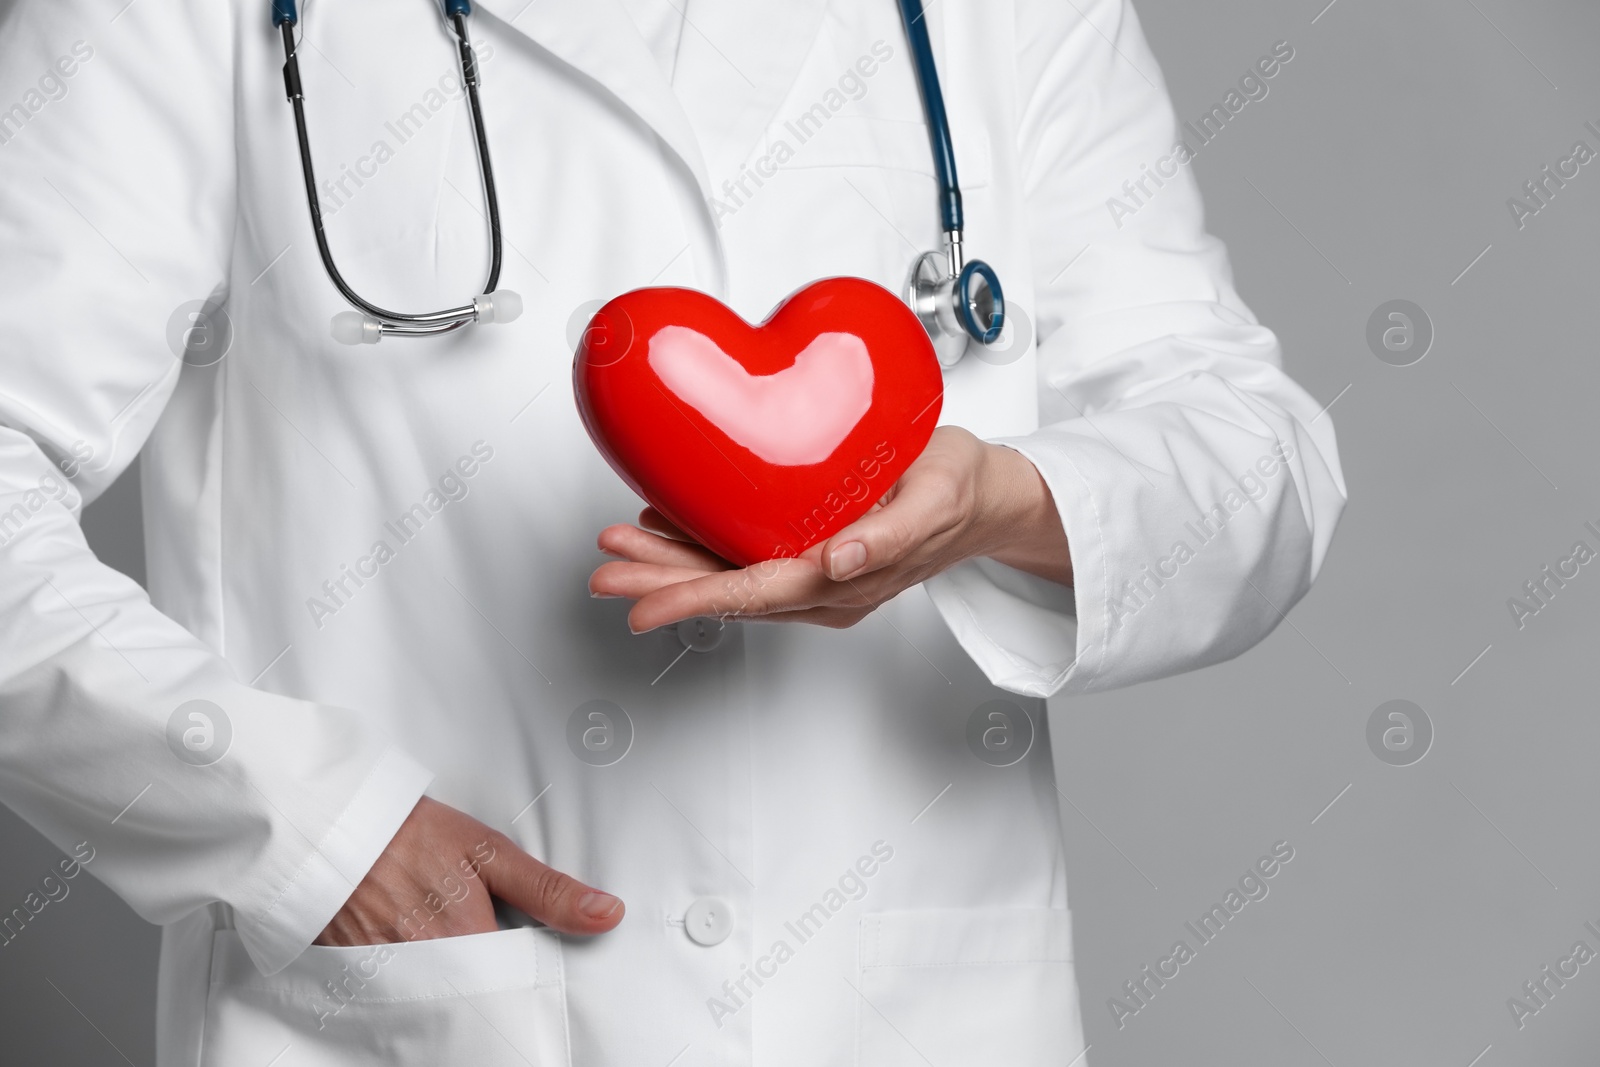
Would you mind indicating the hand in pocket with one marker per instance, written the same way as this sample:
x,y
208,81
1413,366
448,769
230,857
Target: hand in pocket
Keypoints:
x,y
440,875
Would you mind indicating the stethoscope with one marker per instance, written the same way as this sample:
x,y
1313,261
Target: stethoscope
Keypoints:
x,y
957,301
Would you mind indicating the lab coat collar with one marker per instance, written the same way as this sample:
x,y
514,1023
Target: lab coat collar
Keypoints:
x,y
736,62
599,39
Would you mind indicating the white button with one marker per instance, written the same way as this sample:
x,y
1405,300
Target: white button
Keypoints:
x,y
702,634
708,921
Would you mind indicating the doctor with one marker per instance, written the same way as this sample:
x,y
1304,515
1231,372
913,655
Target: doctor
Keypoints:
x,y
383,676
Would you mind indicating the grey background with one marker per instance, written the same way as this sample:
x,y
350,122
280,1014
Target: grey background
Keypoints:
x,y
1377,168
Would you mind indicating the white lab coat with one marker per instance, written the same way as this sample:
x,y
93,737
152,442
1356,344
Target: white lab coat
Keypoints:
x,y
818,782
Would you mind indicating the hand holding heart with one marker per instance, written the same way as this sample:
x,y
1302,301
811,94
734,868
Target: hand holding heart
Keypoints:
x,y
762,449
760,440
962,498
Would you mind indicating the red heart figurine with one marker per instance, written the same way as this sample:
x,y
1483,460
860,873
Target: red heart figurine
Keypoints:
x,y
759,441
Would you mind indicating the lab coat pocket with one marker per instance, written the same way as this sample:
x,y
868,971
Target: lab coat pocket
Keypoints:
x,y
485,999
981,985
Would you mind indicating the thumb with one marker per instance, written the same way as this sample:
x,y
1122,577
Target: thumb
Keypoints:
x,y
559,901
889,533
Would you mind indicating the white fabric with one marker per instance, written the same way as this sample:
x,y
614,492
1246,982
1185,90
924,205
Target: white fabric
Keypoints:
x,y
660,23
770,773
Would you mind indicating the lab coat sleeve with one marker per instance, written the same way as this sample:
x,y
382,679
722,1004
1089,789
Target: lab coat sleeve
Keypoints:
x,y
117,165
1198,485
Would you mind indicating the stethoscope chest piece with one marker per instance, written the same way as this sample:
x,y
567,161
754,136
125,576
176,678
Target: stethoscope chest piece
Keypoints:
x,y
925,292
958,302
956,309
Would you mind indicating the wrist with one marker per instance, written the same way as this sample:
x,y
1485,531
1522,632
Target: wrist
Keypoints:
x,y
1021,525
1009,492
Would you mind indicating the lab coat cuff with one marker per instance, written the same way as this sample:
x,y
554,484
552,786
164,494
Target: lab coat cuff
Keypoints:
x,y
337,864
1028,634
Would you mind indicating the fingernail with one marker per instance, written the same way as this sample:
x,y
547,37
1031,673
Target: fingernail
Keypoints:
x,y
603,596
847,559
598,905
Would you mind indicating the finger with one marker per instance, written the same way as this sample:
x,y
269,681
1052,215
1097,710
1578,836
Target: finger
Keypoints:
x,y
559,901
643,546
653,520
454,904
922,507
412,904
829,616
636,580
773,586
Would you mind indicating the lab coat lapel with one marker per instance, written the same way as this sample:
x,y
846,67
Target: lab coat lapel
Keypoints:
x,y
599,39
737,61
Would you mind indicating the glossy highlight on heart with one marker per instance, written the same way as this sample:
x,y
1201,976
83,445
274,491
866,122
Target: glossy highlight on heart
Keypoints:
x,y
760,441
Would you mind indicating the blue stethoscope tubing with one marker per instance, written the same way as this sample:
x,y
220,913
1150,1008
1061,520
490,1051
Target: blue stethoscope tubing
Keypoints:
x,y
969,292
954,299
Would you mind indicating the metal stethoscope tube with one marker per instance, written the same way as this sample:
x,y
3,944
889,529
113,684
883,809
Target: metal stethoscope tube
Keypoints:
x,y
371,323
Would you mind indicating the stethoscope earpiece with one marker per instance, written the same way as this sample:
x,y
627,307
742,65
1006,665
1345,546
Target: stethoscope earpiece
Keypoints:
x,y
356,328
